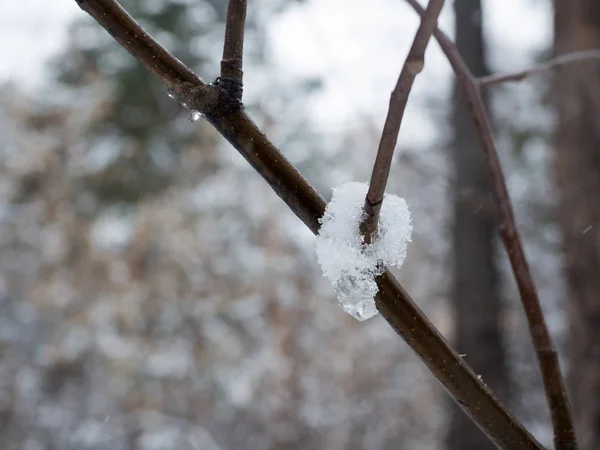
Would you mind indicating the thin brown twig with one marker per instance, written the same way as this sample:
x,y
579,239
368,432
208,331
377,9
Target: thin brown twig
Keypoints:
x,y
551,64
413,65
393,301
554,385
233,47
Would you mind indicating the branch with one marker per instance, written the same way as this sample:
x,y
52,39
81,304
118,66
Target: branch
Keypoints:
x,y
413,65
127,32
396,306
551,64
233,48
394,303
556,395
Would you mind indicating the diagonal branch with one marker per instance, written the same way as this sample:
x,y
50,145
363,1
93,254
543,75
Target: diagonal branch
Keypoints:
x,y
413,65
551,64
556,394
132,37
393,301
233,47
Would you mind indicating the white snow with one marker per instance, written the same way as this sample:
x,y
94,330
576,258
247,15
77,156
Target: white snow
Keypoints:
x,y
349,263
112,231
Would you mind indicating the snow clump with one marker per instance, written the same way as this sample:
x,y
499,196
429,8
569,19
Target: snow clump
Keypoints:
x,y
347,261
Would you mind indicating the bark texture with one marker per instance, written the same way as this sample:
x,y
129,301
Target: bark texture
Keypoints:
x,y
475,296
576,94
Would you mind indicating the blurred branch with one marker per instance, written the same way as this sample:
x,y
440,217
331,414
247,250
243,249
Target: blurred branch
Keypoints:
x,y
413,65
233,47
393,301
551,64
556,394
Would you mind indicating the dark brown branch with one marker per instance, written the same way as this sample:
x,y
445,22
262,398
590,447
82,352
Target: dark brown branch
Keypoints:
x,y
551,64
413,65
127,32
556,394
233,48
393,301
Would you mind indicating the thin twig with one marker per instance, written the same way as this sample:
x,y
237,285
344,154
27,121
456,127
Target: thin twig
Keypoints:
x,y
393,301
551,64
413,65
233,47
556,394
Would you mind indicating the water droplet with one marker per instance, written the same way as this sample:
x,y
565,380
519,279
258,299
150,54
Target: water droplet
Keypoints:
x,y
171,93
195,116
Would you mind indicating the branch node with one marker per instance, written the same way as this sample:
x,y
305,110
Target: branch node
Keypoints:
x,y
231,68
415,66
233,89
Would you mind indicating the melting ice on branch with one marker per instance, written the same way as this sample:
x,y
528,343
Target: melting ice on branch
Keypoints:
x,y
194,115
349,263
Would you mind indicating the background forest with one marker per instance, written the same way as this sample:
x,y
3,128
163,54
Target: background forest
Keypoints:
x,y
156,294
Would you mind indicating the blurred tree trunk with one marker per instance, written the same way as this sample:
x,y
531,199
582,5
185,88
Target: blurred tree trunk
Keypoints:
x,y
475,296
577,164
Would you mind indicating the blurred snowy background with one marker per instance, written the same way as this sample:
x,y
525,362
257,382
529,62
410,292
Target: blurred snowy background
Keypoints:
x,y
155,294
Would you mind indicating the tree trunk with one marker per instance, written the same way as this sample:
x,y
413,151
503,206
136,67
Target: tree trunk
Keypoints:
x,y
475,275
577,164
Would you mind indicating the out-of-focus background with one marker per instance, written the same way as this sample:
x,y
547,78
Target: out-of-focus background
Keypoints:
x,y
156,294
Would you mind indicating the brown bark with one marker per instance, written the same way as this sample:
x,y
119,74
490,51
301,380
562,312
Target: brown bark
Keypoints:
x,y
475,276
576,94
413,66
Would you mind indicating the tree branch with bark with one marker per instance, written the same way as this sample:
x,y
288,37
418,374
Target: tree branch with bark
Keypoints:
x,y
233,47
552,64
554,385
222,107
413,65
